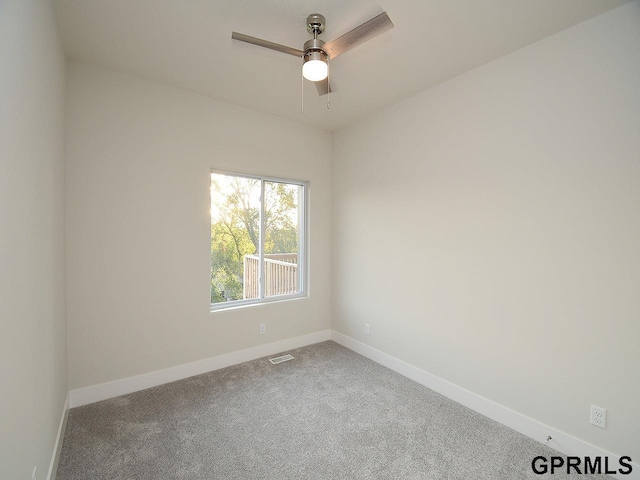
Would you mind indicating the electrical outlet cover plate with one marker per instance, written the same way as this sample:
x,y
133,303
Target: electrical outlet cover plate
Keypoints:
x,y
598,416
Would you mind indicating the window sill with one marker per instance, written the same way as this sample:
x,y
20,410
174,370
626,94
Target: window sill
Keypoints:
x,y
240,304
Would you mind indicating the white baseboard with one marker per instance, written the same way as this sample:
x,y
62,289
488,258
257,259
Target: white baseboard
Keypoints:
x,y
562,442
103,391
55,456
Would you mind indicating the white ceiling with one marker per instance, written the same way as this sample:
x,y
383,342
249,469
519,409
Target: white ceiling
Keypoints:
x,y
187,44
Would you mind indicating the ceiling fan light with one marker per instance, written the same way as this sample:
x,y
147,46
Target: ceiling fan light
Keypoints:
x,y
315,67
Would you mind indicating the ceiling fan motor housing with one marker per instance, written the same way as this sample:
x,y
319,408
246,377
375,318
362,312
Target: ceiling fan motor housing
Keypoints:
x,y
314,45
314,60
314,53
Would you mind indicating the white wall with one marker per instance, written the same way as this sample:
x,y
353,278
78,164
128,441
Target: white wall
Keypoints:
x,y
33,380
489,230
138,227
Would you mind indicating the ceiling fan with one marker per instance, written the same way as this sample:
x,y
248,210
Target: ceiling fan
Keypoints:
x,y
316,53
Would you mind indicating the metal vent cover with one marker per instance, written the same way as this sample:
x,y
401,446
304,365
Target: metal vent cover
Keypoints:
x,y
281,358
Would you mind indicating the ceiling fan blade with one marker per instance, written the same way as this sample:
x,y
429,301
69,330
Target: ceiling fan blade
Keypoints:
x,y
323,87
265,43
358,35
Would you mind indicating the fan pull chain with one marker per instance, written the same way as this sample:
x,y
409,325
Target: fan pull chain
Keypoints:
x,y
328,84
301,94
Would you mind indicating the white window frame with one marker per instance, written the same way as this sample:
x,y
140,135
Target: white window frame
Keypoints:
x,y
302,244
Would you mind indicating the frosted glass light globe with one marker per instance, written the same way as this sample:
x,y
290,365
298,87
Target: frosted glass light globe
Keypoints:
x,y
315,68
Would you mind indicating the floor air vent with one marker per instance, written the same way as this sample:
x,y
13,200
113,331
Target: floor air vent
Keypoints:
x,y
281,358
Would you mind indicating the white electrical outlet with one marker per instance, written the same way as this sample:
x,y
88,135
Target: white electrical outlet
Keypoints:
x,y
367,329
34,475
262,328
598,416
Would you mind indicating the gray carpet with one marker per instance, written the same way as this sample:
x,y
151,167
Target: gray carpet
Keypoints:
x,y
328,414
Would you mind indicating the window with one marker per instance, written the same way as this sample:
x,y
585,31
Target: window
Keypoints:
x,y
257,239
